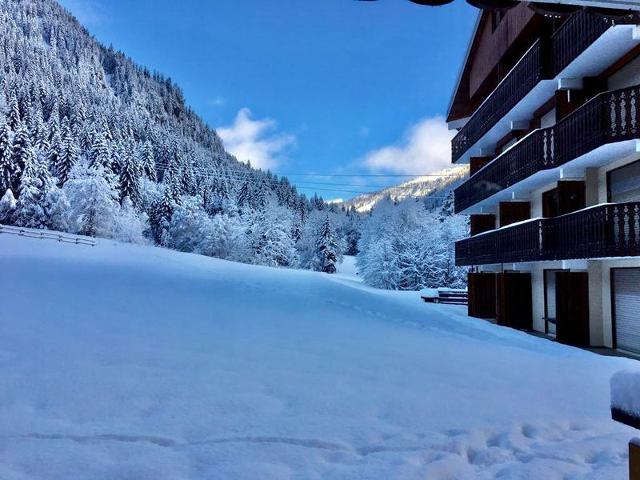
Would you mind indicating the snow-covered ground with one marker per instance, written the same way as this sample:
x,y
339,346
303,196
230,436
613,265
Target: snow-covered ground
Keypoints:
x,y
128,362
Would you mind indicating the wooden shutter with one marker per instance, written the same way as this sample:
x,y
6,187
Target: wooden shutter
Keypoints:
x,y
514,305
482,295
572,308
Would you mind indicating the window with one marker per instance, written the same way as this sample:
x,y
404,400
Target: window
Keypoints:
x,y
624,183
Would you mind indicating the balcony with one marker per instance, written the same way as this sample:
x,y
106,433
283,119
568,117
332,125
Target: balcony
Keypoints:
x,y
609,118
611,230
583,46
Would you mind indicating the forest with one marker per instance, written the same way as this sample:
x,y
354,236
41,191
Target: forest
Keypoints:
x,y
93,144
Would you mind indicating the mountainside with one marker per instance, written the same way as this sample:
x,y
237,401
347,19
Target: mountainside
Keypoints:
x,y
434,189
93,144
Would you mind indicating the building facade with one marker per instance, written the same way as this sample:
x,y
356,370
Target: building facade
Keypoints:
x,y
547,110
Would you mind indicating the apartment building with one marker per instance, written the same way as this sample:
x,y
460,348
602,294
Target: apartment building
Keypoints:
x,y
547,108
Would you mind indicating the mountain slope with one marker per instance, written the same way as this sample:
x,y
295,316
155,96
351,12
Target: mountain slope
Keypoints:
x,y
432,188
126,362
92,143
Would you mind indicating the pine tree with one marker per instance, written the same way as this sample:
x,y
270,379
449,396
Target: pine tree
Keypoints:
x,y
30,206
53,152
160,215
7,168
326,248
147,161
7,207
99,152
130,179
20,153
14,119
68,157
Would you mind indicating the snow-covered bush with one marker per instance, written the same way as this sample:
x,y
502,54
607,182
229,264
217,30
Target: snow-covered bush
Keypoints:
x,y
92,197
225,238
189,226
407,247
130,225
269,235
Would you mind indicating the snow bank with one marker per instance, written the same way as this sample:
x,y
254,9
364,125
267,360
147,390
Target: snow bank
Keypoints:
x,y
625,392
130,362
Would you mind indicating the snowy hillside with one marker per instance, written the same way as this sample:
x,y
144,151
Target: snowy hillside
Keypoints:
x,y
92,143
128,362
420,187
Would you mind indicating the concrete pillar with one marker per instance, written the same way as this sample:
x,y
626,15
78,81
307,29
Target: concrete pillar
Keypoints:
x,y
596,318
592,183
537,296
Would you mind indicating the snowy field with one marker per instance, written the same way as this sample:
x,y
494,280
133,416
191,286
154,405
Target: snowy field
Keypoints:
x,y
127,362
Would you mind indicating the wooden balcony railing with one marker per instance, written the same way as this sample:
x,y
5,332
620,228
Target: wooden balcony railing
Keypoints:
x,y
607,118
611,230
521,80
512,244
567,43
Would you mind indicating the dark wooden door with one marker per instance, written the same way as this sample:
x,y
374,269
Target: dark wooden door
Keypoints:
x,y
572,308
514,305
512,212
482,295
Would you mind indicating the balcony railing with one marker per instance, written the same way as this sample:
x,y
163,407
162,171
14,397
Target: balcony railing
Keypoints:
x,y
521,80
571,39
611,230
607,118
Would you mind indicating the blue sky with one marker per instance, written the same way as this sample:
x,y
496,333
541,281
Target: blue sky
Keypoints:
x,y
305,86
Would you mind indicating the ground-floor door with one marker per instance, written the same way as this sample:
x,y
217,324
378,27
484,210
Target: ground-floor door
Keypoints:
x,y
514,300
625,293
482,294
572,308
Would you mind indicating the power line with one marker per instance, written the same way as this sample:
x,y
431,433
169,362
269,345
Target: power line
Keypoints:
x,y
367,175
237,177
243,176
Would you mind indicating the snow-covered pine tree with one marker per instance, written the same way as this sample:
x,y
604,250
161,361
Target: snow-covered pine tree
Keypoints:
x,y
99,153
13,119
20,155
129,178
327,252
146,160
7,168
161,213
67,157
30,206
7,207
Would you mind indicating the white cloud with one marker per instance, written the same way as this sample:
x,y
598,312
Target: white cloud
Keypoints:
x,y
425,148
88,12
255,140
217,102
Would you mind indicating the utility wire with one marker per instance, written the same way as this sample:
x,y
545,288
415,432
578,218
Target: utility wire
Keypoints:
x,y
243,176
238,177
